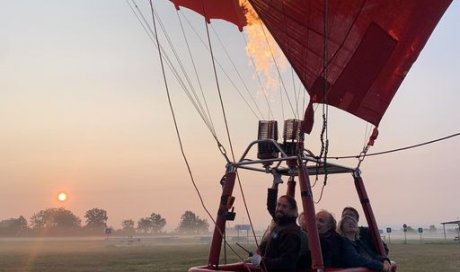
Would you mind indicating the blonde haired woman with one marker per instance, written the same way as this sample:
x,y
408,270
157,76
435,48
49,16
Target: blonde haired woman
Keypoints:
x,y
357,252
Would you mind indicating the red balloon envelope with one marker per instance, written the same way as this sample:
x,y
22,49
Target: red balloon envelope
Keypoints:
x,y
370,45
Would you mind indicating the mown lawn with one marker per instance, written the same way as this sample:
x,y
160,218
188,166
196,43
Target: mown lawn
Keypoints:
x,y
117,255
426,257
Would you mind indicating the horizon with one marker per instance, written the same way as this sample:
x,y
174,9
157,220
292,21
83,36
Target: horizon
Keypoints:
x,y
231,225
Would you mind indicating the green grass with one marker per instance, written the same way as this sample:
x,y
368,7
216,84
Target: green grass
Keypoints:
x,y
97,255
428,257
116,255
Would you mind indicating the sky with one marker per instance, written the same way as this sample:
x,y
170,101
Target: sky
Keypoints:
x,y
83,109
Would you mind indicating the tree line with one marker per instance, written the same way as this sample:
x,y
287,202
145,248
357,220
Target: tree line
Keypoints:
x,y
60,221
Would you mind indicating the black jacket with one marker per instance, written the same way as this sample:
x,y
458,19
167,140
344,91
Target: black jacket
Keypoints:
x,y
280,251
365,237
357,254
332,249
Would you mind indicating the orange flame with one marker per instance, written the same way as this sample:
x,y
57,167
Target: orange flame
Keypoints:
x,y
262,48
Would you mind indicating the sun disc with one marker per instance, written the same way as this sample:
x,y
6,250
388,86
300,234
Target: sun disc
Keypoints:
x,y
62,196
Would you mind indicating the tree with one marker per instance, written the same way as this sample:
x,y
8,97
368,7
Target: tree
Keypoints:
x,y
158,222
96,218
144,225
152,224
13,226
191,223
21,223
54,219
128,226
432,228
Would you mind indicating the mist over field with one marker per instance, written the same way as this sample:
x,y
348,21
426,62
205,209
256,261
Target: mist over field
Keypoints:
x,y
174,253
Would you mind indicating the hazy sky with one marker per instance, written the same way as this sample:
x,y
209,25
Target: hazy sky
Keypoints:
x,y
83,109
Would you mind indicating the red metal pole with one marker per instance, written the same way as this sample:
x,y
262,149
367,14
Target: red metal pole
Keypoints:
x,y
373,229
309,211
219,229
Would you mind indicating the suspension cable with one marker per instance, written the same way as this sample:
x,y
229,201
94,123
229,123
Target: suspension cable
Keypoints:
x,y
237,72
184,72
228,130
143,21
296,95
216,78
282,104
179,79
174,115
397,149
195,69
153,35
178,133
324,131
224,117
222,70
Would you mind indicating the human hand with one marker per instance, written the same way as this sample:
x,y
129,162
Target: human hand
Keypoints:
x,y
386,266
255,259
276,178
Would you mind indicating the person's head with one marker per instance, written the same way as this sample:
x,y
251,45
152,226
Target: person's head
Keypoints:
x,y
348,227
286,207
350,211
325,221
302,220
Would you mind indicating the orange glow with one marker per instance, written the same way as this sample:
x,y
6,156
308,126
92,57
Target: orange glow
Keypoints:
x,y
262,48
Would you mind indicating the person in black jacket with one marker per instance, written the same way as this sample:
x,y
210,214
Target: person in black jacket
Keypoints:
x,y
357,253
272,196
332,244
304,261
280,250
364,235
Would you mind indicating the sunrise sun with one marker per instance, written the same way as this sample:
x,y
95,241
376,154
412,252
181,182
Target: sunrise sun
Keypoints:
x,y
62,196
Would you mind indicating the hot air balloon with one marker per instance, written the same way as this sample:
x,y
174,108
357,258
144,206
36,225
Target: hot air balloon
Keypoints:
x,y
352,55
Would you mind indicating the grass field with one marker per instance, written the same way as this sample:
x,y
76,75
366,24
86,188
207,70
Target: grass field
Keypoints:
x,y
53,255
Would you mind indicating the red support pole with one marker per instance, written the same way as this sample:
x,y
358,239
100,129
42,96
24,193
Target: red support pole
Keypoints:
x,y
373,229
228,182
309,211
